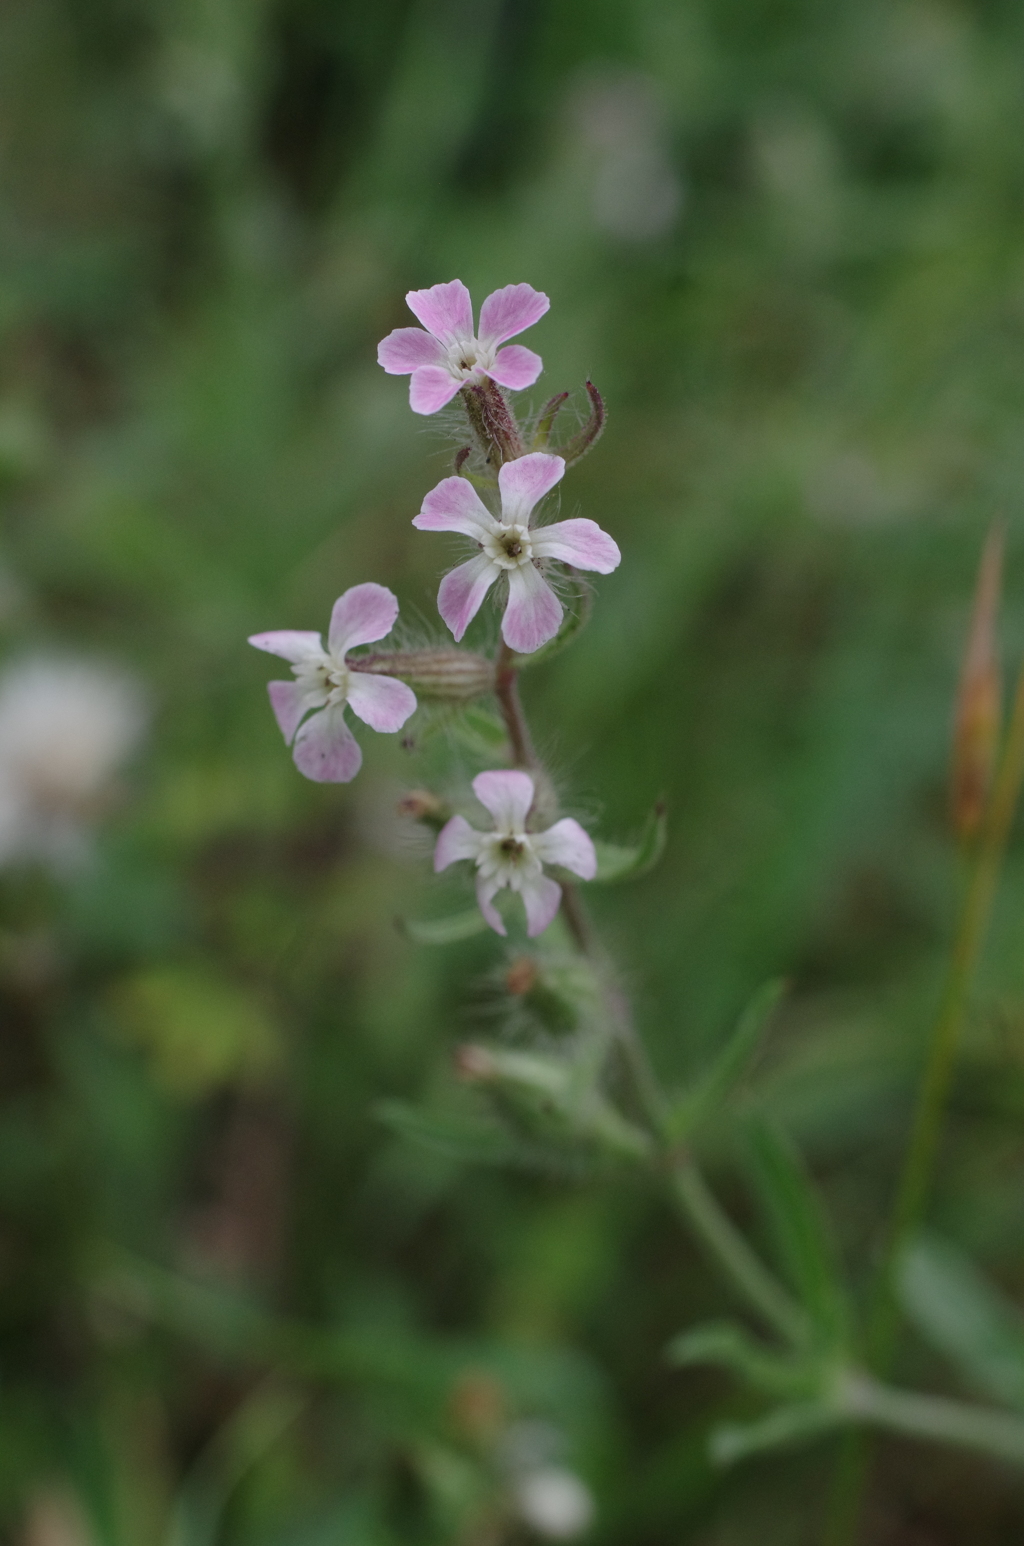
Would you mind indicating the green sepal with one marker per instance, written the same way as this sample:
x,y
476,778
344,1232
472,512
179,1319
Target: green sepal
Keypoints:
x,y
799,1228
444,931
619,861
729,1346
964,1317
481,732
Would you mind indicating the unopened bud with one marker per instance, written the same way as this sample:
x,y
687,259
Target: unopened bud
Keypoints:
x,y
423,806
474,1063
449,674
590,434
978,714
478,1405
522,976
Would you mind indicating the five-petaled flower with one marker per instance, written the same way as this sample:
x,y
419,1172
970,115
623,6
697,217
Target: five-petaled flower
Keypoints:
x,y
511,547
449,355
325,748
511,856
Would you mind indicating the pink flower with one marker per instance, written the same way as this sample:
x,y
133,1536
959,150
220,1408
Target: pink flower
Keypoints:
x,y
325,748
449,354
510,546
511,856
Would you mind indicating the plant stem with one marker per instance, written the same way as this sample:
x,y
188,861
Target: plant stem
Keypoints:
x,y
708,1220
915,1181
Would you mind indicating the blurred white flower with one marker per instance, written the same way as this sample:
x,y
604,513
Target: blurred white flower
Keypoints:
x,y
65,727
637,192
554,1502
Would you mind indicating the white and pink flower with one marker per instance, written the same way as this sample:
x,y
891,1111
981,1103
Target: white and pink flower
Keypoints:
x,y
449,355
510,856
325,748
511,547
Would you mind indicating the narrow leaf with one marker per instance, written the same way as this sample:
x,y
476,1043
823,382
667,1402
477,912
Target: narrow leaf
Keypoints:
x,y
964,1317
791,1424
711,1090
469,1139
444,931
619,861
729,1346
802,1239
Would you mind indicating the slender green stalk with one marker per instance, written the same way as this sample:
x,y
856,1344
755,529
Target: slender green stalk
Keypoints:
x,y
915,1181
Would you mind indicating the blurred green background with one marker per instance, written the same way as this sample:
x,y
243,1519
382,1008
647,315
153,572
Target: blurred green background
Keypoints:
x,y
785,239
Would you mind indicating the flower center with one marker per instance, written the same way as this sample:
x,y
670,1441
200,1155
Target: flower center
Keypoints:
x,y
466,357
509,546
328,675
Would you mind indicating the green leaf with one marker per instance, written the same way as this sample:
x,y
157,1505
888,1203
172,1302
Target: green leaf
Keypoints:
x,y
731,1347
481,732
472,1140
618,861
802,1238
790,1424
711,1090
964,1317
444,931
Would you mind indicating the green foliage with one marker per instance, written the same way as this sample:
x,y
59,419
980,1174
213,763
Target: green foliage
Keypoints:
x,y
704,1101
964,1317
619,861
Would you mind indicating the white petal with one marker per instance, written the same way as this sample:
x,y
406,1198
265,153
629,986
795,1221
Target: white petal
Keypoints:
x,y
289,643
325,748
508,795
534,612
456,840
362,615
485,890
541,897
524,482
462,592
382,702
567,844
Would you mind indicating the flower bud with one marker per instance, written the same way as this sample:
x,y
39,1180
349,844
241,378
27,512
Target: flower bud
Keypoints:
x,y
979,700
447,674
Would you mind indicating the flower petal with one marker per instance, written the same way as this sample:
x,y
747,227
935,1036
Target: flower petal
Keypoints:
x,y
516,367
510,311
455,505
445,310
581,543
289,643
524,482
289,701
508,795
566,843
541,897
485,890
534,612
462,592
382,702
362,615
406,349
325,748
430,388
456,840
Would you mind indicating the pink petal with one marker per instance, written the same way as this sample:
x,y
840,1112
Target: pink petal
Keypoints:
x,y
524,482
541,897
289,701
406,349
430,388
485,890
289,644
362,615
566,843
462,592
454,505
581,543
510,311
325,748
382,702
534,612
445,310
508,795
516,367
456,840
